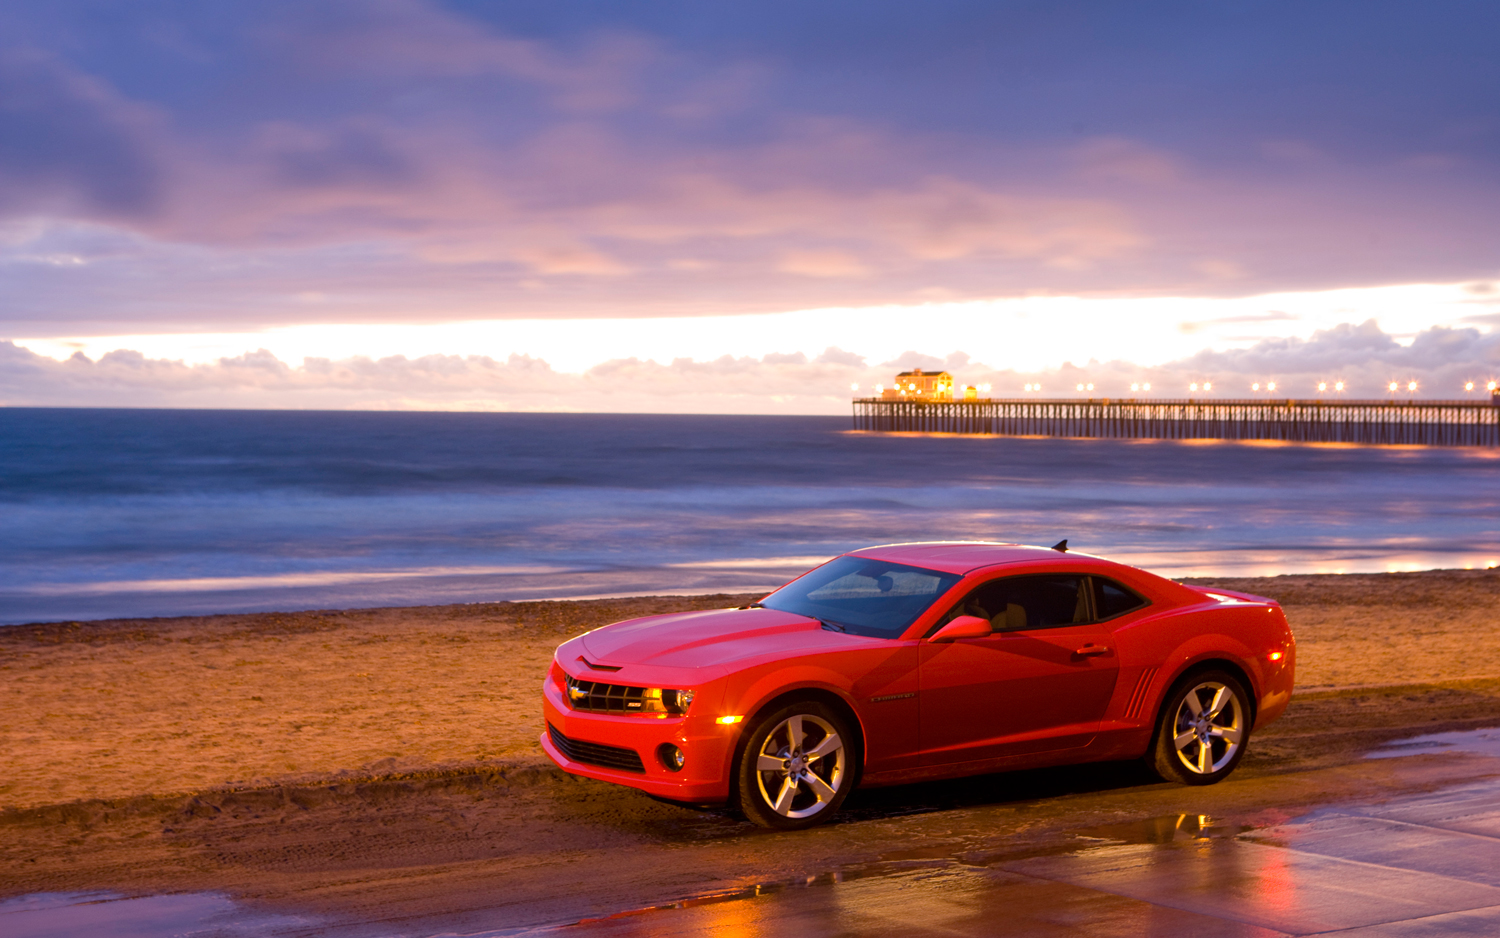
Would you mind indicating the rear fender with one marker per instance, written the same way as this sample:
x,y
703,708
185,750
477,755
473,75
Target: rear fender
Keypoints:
x,y
1202,651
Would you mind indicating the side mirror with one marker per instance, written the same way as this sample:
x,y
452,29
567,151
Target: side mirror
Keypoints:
x,y
963,627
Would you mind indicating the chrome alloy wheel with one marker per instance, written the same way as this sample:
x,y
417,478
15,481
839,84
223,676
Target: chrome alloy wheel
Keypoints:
x,y
801,766
1209,727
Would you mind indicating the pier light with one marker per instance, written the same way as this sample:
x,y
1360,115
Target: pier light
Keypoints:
x,y
1193,386
1338,385
1136,386
1208,385
1392,386
1411,385
854,386
1028,387
1146,386
1080,387
879,389
1255,386
1468,385
1270,385
984,387
1492,387
1091,387
1322,386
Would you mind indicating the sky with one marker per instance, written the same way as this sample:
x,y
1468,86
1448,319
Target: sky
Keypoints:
x,y
708,207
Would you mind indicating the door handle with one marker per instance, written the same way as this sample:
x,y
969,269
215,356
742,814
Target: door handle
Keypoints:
x,y
1092,650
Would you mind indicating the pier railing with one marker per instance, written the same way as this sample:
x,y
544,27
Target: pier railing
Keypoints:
x,y
1422,423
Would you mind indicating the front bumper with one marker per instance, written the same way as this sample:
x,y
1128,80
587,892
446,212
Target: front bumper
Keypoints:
x,y
707,745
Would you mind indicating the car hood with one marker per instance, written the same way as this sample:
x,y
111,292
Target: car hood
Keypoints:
x,y
712,638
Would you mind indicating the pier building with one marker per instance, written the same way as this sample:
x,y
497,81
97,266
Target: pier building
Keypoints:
x,y
919,385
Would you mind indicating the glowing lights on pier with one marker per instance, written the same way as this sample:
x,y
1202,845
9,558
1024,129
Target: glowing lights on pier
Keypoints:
x,y
919,386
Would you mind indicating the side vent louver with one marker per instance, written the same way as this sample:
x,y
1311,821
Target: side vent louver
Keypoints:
x,y
1138,696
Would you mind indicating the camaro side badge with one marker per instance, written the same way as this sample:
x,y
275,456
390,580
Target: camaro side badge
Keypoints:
x,y
893,697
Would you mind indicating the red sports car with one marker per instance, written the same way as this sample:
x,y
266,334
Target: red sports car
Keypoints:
x,y
919,661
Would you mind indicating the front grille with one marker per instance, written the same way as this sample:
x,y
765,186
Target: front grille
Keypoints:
x,y
622,698
611,757
607,698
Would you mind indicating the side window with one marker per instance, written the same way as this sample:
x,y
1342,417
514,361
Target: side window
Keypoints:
x,y
1026,602
1111,599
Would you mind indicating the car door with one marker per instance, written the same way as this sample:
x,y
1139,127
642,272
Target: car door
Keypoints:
x,y
1039,682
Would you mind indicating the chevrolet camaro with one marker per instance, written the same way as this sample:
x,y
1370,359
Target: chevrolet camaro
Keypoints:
x,y
909,662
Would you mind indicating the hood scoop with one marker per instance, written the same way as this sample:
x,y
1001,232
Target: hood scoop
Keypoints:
x,y
597,667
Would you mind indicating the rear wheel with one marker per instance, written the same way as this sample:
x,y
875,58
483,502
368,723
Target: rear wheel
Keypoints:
x,y
797,767
1202,730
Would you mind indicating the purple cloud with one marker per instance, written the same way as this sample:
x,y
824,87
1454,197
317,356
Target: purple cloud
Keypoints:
x,y
423,161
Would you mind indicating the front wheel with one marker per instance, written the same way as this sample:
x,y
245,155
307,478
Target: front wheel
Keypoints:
x,y
796,768
1202,730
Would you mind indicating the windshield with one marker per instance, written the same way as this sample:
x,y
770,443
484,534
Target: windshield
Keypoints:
x,y
863,596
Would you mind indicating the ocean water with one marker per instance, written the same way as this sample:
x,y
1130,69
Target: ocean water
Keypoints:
x,y
109,513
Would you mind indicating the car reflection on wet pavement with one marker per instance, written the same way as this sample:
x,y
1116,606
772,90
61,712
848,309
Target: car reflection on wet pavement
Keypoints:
x,y
1421,864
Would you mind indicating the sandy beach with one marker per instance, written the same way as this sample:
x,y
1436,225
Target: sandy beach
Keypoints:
x,y
259,741
113,709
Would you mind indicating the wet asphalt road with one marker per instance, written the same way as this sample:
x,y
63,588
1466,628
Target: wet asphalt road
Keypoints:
x,y
1405,846
1423,863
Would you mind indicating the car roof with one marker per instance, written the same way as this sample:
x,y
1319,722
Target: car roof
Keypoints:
x,y
960,556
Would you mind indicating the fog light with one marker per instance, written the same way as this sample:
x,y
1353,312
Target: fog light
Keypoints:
x,y
671,757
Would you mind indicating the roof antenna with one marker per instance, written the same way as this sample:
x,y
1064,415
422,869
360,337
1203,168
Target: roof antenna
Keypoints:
x,y
1061,546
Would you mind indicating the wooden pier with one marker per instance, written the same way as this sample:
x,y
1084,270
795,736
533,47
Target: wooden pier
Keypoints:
x,y
1394,422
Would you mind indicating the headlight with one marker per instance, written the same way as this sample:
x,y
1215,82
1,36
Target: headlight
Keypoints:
x,y
665,700
677,701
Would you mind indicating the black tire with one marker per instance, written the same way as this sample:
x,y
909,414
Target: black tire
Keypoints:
x,y
1200,745
788,791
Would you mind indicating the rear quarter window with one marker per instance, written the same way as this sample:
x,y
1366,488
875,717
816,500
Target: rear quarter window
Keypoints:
x,y
1112,599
